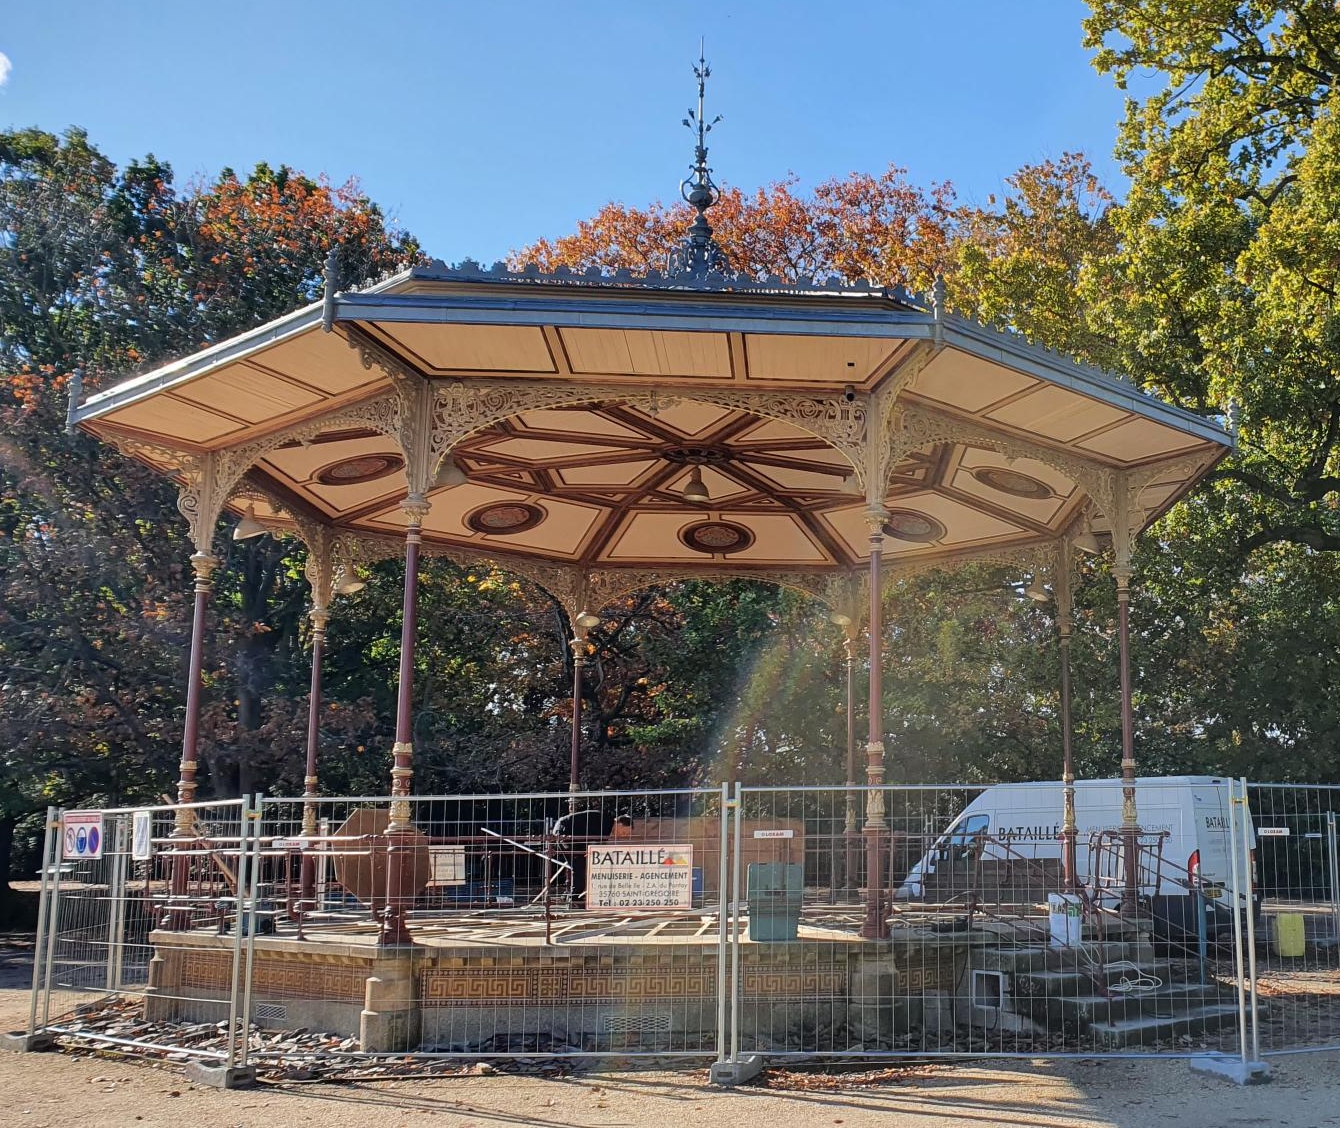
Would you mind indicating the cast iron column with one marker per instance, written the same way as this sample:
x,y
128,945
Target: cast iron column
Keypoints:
x,y
1130,825
578,645
179,878
852,827
401,825
1069,823
307,888
876,826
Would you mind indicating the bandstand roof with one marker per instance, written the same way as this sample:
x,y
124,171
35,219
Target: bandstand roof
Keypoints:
x,y
578,406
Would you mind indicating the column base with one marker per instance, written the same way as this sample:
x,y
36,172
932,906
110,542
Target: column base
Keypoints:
x,y
390,1021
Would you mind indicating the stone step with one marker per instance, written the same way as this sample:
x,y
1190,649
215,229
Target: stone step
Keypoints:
x,y
1075,981
1040,958
1084,1011
1149,1029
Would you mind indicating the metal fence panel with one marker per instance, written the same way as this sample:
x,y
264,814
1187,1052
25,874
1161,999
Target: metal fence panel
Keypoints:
x,y
958,949
811,922
1296,926
121,920
527,939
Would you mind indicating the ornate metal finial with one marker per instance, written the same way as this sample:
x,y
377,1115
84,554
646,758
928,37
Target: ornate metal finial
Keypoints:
x,y
76,390
698,257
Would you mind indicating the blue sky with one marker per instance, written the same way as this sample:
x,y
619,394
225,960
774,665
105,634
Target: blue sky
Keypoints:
x,y
482,126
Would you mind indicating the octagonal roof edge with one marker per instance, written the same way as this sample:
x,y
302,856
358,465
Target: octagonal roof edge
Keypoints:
x,y
830,305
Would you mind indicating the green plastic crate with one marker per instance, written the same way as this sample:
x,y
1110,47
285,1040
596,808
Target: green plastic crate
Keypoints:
x,y
775,890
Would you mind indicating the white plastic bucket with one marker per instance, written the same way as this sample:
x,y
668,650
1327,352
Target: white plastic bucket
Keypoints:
x,y
1065,912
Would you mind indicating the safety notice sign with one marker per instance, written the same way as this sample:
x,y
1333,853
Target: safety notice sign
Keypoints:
x,y
639,877
142,836
81,835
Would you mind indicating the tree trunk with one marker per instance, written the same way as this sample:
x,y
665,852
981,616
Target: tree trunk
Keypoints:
x,y
7,824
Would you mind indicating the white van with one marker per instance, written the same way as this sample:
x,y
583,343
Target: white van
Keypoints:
x,y
1192,810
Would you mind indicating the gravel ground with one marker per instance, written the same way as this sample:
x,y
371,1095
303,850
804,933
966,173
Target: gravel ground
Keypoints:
x,y
76,1090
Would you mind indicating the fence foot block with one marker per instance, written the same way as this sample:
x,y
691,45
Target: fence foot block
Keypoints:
x,y
1233,1069
221,1076
731,1073
20,1043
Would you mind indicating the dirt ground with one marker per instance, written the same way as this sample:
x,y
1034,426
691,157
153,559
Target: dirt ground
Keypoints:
x,y
63,1090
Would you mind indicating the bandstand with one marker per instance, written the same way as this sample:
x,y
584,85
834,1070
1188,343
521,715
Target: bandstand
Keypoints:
x,y
598,433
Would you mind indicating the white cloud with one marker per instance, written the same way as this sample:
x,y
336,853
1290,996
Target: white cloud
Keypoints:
x,y
5,67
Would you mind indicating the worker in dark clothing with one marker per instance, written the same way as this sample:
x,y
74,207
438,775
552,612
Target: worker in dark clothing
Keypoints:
x,y
576,831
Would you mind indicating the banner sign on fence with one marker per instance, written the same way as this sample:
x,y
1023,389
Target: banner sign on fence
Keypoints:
x,y
1272,832
639,877
788,833
142,836
81,835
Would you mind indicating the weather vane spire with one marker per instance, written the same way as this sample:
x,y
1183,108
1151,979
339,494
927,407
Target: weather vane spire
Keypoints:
x,y
698,257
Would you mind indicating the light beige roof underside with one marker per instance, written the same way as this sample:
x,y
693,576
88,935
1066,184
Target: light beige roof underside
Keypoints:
x,y
606,478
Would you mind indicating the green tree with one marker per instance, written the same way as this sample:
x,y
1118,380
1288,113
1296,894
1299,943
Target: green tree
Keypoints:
x,y
103,271
1222,290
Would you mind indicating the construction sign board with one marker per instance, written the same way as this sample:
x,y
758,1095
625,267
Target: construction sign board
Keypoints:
x,y
81,836
142,836
640,876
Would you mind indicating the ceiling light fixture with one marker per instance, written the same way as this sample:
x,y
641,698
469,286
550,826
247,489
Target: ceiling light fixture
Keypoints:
x,y
248,526
1086,542
449,473
694,490
349,586
1036,592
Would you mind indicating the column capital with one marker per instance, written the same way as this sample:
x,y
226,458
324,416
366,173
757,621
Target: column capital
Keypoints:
x,y
415,507
875,517
204,564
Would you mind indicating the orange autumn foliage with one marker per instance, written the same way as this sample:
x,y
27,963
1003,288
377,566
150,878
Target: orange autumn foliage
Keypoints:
x,y
862,225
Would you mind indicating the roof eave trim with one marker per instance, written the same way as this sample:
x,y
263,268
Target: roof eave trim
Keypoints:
x,y
1057,369
601,311
225,352
197,364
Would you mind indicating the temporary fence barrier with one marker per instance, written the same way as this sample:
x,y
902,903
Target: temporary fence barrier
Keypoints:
x,y
1295,871
114,883
974,942
576,923
796,922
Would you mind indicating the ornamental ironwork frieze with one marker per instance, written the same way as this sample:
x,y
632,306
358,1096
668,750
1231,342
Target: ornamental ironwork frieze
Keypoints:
x,y
913,428
462,407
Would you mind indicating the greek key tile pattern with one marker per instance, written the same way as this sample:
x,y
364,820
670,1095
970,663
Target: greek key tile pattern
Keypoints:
x,y
277,979
466,986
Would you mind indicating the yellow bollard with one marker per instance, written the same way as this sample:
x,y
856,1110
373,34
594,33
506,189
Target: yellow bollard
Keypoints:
x,y
1289,938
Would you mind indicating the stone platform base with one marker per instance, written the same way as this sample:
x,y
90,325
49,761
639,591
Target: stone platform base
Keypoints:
x,y
600,995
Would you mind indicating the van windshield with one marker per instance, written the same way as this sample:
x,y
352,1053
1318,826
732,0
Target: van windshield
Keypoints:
x,y
959,841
